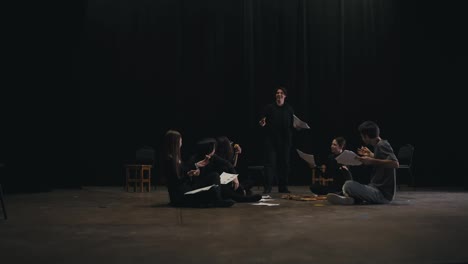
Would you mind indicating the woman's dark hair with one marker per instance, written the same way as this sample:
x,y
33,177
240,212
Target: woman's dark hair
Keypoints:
x,y
204,147
172,149
224,148
341,142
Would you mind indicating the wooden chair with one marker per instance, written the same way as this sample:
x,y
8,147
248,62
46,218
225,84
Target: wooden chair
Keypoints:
x,y
405,158
320,179
138,174
2,200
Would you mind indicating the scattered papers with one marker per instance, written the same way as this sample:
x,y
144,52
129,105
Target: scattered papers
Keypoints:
x,y
309,158
227,177
302,197
347,157
266,204
200,189
299,124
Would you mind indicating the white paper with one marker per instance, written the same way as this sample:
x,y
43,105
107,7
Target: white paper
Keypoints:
x,y
347,157
200,189
266,196
227,177
309,158
267,204
298,124
265,200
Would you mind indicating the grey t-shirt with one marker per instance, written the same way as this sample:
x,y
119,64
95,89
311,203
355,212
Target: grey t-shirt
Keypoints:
x,y
384,178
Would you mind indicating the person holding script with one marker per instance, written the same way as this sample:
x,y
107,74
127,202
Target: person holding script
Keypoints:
x,y
381,189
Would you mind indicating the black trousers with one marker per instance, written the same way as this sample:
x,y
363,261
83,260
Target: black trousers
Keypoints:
x,y
277,165
201,199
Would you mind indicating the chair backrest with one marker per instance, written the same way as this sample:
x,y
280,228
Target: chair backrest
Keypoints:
x,y
405,154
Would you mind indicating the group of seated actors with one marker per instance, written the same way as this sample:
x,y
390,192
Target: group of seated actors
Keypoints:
x,y
212,157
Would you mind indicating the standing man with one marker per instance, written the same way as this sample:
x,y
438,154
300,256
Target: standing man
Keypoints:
x,y
277,122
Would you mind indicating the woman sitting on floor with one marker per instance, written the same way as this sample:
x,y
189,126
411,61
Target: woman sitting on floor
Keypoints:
x,y
212,166
180,178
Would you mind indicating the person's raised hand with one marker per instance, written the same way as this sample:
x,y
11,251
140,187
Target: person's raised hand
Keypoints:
x,y
364,151
237,149
262,122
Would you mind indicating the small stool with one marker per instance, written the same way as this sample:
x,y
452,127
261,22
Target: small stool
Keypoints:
x,y
321,180
325,181
314,175
135,173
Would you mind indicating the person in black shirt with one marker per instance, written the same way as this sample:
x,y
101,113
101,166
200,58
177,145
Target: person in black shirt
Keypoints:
x,y
180,176
277,122
332,170
228,150
212,166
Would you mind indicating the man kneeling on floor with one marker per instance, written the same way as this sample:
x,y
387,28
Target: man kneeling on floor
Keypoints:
x,y
381,189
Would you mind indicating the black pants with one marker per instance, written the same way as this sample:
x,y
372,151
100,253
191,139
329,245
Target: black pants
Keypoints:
x,y
205,179
277,165
201,199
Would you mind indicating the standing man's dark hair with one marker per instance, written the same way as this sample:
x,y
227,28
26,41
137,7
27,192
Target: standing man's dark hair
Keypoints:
x,y
285,91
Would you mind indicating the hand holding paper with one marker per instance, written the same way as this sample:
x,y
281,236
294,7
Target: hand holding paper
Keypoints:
x,y
299,124
227,177
347,157
308,158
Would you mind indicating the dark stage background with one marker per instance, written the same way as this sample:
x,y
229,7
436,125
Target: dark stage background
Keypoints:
x,y
207,68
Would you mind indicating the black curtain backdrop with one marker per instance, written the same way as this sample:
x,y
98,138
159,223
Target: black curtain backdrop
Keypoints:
x,y
207,68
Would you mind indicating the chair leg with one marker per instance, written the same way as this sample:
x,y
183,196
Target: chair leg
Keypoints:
x,y
3,203
149,180
127,177
141,179
413,184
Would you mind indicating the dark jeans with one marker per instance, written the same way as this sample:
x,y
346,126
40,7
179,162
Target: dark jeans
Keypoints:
x,y
277,165
364,193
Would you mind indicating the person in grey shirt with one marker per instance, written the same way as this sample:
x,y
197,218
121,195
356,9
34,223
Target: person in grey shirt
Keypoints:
x,y
384,162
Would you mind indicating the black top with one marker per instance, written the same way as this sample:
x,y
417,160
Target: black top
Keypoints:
x,y
279,123
333,171
177,186
219,165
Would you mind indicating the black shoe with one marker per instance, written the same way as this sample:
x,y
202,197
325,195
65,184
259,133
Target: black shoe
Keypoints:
x,y
247,198
334,198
